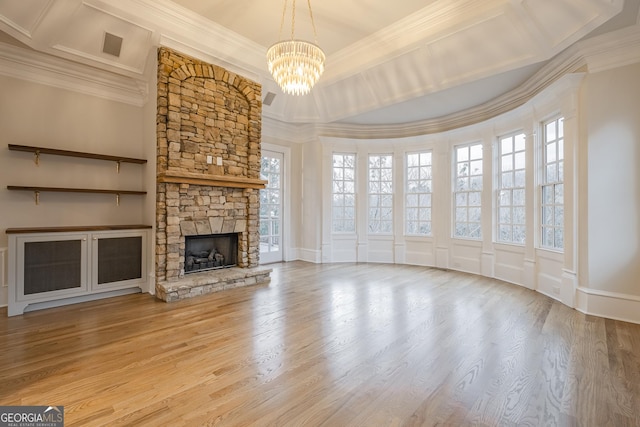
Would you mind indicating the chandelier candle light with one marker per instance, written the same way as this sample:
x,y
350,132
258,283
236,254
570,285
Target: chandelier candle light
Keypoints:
x,y
296,65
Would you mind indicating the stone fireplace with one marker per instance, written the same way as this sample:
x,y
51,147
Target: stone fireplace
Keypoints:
x,y
208,174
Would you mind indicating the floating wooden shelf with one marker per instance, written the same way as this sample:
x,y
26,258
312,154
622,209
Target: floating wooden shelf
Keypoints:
x,y
212,180
73,228
42,150
38,190
73,190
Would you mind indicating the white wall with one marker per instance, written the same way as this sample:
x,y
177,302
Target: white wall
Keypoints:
x,y
311,201
38,115
611,100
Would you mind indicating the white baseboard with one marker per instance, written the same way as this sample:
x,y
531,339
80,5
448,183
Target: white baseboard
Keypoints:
x,y
611,305
309,255
547,294
151,284
4,281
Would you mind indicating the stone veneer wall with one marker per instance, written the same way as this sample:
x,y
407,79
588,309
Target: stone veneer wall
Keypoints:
x,y
205,110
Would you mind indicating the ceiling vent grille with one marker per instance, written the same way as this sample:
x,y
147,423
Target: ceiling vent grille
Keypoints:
x,y
112,44
268,98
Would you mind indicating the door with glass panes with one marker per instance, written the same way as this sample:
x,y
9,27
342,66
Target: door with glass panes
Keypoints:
x,y
271,169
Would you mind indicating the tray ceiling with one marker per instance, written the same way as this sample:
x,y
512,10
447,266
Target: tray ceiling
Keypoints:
x,y
387,62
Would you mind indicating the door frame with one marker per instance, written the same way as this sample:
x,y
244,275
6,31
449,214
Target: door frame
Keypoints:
x,y
285,196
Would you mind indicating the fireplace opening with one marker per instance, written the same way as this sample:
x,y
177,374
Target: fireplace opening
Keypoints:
x,y
210,252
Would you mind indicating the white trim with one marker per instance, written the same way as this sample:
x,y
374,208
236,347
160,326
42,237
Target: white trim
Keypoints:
x,y
612,50
4,284
611,305
192,28
114,63
285,189
406,33
82,298
310,255
546,78
3,267
151,281
48,70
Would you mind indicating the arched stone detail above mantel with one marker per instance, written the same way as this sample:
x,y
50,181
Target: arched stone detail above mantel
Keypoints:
x,y
218,74
175,71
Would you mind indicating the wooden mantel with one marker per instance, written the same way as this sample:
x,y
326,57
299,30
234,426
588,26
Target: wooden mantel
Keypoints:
x,y
180,177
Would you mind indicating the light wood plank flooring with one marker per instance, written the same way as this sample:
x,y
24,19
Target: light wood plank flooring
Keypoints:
x,y
328,345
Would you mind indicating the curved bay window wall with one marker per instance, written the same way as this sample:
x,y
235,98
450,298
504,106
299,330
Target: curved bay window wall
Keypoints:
x,y
488,199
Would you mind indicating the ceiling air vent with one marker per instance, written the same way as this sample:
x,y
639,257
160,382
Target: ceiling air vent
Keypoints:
x,y
112,44
268,98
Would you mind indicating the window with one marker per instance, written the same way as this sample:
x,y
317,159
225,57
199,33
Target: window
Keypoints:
x,y
552,215
344,193
380,193
418,194
511,190
468,191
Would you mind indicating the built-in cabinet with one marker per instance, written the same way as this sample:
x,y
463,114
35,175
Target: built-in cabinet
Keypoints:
x,y
58,266
50,266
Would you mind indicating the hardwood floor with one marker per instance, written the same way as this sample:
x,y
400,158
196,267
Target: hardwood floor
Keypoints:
x,y
328,345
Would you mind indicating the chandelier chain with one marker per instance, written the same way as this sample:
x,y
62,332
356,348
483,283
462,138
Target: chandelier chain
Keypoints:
x,y
293,20
313,24
284,13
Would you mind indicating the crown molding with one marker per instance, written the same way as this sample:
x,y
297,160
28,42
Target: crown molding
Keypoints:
x,y
568,62
598,54
52,71
612,50
187,28
289,132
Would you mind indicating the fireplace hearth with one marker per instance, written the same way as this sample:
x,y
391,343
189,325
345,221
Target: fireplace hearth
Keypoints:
x,y
210,252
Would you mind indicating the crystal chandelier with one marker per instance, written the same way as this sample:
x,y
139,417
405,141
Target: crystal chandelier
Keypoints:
x,y
296,65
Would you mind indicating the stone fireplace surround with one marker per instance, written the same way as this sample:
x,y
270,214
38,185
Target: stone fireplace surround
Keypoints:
x,y
208,172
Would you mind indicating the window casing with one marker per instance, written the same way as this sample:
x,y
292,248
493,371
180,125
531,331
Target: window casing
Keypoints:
x,y
343,208
380,194
418,187
271,203
467,194
552,188
511,211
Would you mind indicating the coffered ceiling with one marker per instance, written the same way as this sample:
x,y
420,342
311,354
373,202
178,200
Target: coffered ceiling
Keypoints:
x,y
387,62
